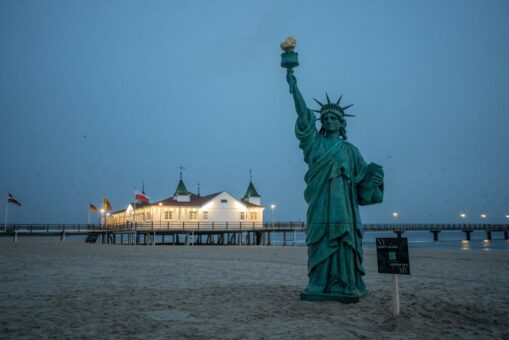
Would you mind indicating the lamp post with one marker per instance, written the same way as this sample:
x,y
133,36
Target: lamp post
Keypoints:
x,y
272,207
160,222
463,216
484,216
102,218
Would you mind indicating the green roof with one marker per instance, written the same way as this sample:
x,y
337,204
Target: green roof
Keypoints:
x,y
251,191
181,189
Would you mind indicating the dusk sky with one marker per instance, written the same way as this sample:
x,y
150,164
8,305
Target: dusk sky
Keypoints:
x,y
97,96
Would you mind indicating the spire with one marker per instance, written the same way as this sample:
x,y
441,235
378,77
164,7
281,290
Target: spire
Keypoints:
x,y
143,186
181,187
199,189
251,191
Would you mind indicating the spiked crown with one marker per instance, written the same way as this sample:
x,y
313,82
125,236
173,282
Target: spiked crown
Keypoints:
x,y
334,108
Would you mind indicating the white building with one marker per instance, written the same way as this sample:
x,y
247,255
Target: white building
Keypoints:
x,y
185,209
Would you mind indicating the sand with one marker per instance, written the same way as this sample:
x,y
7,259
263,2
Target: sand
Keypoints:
x,y
53,289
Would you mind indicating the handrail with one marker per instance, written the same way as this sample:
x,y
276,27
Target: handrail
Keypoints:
x,y
202,226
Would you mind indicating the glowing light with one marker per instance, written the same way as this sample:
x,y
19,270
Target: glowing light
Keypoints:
x,y
484,215
507,216
395,214
463,215
160,204
465,241
273,206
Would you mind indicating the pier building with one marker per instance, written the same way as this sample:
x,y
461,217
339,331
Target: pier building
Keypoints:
x,y
186,209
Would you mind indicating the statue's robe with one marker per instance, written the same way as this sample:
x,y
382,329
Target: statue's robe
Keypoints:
x,y
336,185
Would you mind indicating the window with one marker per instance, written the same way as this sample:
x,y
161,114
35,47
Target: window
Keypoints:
x,y
242,215
224,201
147,215
205,215
193,215
168,215
253,215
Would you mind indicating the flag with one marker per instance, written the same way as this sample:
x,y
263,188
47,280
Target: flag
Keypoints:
x,y
141,197
11,199
92,208
106,204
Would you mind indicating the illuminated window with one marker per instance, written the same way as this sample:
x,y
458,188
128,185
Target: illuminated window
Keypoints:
x,y
253,215
205,215
193,215
168,215
242,215
147,216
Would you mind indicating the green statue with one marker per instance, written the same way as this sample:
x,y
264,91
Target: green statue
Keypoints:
x,y
338,181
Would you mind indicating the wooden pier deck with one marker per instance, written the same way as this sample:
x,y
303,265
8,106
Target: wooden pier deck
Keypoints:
x,y
220,233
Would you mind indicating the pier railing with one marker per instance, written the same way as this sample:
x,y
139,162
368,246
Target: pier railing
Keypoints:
x,y
235,226
233,233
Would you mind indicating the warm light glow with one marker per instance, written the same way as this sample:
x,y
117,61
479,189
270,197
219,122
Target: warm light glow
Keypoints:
x,y
238,205
395,214
463,215
160,204
208,206
486,241
483,215
272,206
102,211
465,241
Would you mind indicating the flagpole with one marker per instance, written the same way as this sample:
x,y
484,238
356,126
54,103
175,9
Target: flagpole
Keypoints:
x,y
134,217
89,216
6,212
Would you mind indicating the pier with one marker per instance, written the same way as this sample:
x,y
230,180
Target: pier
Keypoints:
x,y
181,233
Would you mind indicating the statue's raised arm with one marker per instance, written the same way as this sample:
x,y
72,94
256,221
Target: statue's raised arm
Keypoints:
x,y
300,105
289,60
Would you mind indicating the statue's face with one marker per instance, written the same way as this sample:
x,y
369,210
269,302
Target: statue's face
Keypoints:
x,y
331,123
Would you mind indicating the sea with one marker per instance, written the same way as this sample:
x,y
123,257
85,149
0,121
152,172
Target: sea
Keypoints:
x,y
423,239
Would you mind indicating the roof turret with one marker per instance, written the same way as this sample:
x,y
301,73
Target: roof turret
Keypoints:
x,y
181,189
251,191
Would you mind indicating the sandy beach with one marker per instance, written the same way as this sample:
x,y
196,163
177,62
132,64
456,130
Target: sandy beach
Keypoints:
x,y
53,289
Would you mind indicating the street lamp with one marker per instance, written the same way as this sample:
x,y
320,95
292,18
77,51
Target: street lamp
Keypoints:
x,y
463,216
102,217
395,215
272,207
483,216
160,205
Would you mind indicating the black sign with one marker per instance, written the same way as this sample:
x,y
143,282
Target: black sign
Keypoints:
x,y
392,255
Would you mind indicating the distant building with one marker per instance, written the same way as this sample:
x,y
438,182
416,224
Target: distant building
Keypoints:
x,y
184,208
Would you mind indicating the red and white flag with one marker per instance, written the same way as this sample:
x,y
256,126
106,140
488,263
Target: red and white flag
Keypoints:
x,y
141,197
12,200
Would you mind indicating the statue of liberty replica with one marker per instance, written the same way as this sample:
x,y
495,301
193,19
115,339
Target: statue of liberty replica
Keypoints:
x,y
338,180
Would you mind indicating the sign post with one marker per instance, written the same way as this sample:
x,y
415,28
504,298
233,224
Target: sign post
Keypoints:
x,y
392,257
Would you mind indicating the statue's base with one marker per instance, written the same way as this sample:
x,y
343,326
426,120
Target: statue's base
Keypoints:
x,y
308,296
